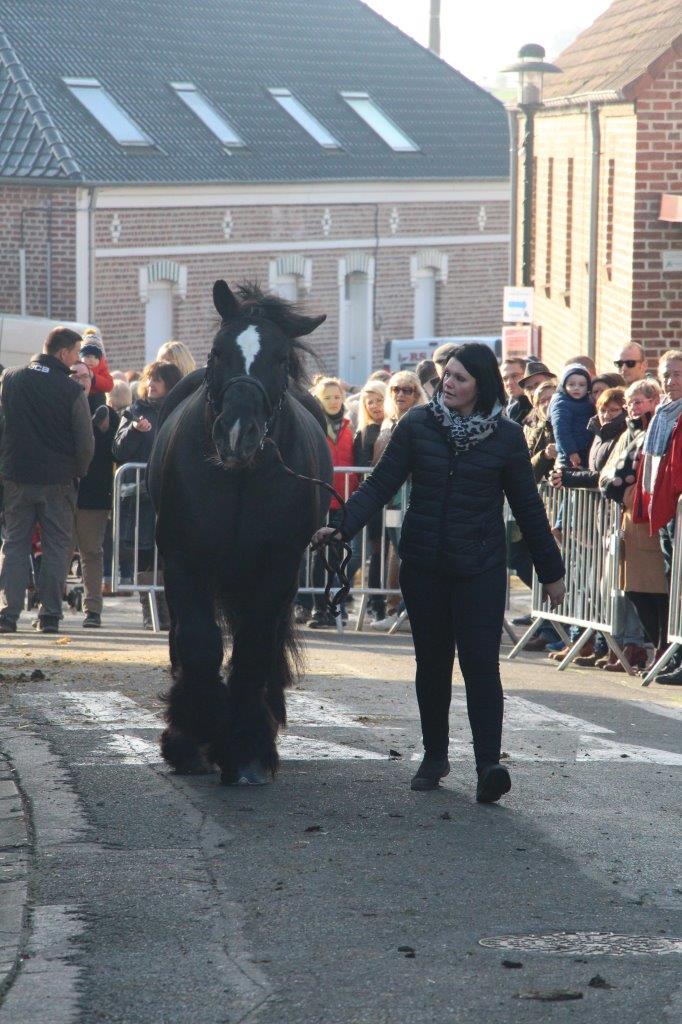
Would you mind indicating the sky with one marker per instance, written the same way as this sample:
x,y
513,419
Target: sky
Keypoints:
x,y
481,37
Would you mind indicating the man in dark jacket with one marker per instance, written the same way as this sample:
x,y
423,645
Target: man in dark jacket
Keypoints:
x,y
47,444
518,402
95,493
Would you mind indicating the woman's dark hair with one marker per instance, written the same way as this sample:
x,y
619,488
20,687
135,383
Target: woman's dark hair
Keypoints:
x,y
169,373
479,360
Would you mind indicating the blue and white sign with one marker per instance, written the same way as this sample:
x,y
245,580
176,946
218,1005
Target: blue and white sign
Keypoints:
x,y
518,306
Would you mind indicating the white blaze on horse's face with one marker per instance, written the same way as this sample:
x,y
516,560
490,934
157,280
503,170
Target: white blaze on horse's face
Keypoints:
x,y
249,343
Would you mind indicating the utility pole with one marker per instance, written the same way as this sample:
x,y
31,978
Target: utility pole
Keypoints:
x,y
434,27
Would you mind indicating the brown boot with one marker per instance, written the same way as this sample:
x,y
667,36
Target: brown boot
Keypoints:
x,y
606,661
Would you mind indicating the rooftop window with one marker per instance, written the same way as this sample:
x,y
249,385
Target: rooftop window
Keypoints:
x,y
106,110
379,122
302,116
206,112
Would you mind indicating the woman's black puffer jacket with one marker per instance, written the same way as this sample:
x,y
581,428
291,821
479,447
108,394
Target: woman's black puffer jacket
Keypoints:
x,y
454,523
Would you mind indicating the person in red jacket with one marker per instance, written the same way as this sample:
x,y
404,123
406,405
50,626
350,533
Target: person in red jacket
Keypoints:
x,y
329,393
92,354
659,473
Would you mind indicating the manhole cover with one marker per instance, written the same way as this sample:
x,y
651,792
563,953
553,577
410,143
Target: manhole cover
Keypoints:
x,y
586,944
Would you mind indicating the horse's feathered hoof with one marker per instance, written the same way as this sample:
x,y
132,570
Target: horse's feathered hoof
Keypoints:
x,y
182,753
252,774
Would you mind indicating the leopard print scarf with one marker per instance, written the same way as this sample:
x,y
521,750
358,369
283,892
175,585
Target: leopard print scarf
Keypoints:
x,y
464,432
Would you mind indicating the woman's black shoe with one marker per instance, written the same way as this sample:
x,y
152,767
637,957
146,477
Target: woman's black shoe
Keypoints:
x,y
429,773
493,782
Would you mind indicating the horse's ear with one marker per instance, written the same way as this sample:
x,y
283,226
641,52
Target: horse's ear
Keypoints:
x,y
297,326
224,301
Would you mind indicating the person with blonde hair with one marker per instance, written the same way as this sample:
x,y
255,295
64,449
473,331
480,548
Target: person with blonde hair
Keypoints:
x,y
120,396
403,392
370,419
177,353
329,392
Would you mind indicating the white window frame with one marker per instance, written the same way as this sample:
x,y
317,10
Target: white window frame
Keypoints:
x,y
302,116
356,262
210,116
378,120
79,87
284,268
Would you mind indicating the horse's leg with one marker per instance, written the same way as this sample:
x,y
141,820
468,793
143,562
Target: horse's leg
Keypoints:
x,y
247,752
287,658
196,700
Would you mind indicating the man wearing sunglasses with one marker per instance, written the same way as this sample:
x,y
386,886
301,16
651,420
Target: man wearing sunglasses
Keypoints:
x,y
631,363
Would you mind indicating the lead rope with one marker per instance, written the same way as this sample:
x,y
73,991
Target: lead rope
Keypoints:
x,y
334,601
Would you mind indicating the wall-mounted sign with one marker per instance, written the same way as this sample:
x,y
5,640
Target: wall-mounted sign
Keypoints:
x,y
672,261
518,305
520,342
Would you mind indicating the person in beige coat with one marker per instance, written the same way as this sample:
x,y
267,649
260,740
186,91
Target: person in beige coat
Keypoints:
x,y
642,575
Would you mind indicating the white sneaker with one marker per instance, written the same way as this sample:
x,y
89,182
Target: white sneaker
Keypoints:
x,y
383,625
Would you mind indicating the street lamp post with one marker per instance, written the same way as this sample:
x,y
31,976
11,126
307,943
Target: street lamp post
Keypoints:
x,y
531,69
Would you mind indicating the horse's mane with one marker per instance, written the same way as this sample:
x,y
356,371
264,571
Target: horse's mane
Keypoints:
x,y
285,314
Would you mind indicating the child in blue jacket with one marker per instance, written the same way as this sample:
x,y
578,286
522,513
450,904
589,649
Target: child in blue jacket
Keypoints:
x,y
570,411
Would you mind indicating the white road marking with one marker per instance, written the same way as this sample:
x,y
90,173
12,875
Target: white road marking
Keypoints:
x,y
533,732
301,748
133,750
249,343
312,711
607,750
91,709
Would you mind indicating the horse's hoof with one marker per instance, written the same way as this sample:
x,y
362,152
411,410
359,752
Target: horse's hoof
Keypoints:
x,y
252,774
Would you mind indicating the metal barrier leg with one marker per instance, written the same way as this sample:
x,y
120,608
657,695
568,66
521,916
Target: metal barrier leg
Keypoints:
x,y
660,664
398,623
509,631
563,635
617,650
576,648
361,614
528,635
154,610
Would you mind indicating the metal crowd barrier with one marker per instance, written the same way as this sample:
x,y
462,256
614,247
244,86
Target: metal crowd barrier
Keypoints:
x,y
130,496
590,545
675,612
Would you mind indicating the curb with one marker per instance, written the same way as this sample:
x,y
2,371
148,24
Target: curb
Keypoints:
x,y
14,864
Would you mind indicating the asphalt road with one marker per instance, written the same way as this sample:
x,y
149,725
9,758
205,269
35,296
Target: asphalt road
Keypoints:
x,y
336,895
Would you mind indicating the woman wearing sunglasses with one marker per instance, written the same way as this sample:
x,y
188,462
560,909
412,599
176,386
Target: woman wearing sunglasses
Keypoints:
x,y
464,457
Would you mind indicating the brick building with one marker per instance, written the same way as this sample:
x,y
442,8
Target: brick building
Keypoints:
x,y
307,145
605,254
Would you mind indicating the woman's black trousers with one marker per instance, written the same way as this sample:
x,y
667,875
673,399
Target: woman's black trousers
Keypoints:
x,y
463,614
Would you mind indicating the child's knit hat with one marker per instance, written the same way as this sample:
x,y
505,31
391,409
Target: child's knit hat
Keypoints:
x,y
572,368
92,344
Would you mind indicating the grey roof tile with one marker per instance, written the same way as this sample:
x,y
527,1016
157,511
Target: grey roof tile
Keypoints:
x,y
233,50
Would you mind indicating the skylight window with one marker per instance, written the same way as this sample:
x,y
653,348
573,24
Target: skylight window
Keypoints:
x,y
302,116
379,122
207,113
106,110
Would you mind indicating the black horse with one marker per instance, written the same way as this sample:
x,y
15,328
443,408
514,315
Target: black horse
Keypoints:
x,y
232,528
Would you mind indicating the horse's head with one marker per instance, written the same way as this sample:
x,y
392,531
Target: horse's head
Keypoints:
x,y
253,356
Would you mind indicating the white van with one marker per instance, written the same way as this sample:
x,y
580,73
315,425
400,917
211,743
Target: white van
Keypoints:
x,y
406,353
22,336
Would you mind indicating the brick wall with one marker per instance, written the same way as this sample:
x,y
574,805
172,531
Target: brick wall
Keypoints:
x,y
657,296
563,145
469,302
13,200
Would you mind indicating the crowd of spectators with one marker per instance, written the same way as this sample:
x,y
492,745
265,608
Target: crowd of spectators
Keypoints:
x,y
68,417
67,421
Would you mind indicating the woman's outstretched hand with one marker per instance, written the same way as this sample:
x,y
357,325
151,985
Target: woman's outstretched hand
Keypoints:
x,y
554,592
325,536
